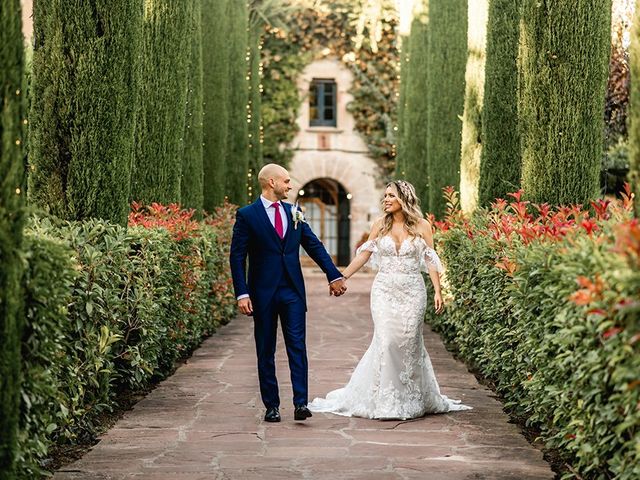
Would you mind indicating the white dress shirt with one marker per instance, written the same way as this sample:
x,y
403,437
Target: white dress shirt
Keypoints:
x,y
271,212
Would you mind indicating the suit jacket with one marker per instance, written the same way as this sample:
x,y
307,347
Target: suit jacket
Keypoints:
x,y
270,257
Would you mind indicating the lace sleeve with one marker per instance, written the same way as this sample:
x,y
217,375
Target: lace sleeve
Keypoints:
x,y
430,259
374,259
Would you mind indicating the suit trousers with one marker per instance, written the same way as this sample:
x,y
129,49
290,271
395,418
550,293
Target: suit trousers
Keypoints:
x,y
287,305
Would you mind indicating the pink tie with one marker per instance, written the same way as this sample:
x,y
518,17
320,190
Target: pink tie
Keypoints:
x,y
278,223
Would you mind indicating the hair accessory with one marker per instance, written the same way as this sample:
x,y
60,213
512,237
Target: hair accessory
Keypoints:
x,y
405,189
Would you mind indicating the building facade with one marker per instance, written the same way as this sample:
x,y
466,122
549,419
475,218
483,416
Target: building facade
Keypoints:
x,y
334,179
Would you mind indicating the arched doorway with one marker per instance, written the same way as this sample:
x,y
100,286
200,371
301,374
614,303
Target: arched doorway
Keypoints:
x,y
325,203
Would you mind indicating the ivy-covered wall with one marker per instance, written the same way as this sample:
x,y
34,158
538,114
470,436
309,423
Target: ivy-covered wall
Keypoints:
x,y
330,31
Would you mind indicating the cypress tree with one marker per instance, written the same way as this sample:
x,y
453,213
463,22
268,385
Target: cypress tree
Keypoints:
x,y
472,140
414,154
565,47
215,60
237,154
191,187
255,104
400,169
634,112
11,223
447,60
160,136
500,161
86,83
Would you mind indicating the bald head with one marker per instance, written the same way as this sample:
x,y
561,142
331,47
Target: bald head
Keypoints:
x,y
271,171
275,182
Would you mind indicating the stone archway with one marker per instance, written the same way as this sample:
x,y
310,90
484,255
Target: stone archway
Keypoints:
x,y
326,206
358,179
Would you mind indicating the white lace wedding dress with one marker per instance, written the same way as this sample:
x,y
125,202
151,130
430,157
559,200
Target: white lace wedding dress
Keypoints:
x,y
395,378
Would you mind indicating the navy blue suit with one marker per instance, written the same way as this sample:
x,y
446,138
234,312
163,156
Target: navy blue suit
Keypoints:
x,y
276,288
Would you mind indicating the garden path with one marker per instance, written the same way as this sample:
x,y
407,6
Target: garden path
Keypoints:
x,y
205,422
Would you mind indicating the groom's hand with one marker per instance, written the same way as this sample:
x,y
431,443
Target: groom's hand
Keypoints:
x,y
245,306
337,288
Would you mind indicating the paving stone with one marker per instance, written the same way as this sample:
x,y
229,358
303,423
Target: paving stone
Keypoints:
x,y
205,422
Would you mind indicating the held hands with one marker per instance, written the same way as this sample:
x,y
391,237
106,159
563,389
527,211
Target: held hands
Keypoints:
x,y
337,288
245,306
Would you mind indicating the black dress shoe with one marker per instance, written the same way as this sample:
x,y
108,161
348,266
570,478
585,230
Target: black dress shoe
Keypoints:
x,y
301,413
272,415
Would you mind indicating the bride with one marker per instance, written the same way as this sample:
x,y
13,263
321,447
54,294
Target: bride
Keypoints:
x,y
395,378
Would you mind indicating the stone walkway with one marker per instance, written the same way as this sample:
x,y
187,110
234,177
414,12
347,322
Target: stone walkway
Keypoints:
x,y
205,422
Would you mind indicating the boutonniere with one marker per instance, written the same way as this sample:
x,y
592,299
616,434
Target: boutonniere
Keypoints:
x,y
297,215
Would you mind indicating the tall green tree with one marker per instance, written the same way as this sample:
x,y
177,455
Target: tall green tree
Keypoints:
x,y
191,183
500,160
414,151
447,60
160,133
237,153
400,169
86,84
564,52
215,48
11,224
255,105
634,112
472,140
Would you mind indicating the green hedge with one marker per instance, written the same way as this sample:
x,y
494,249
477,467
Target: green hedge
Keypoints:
x,y
472,141
105,314
500,158
192,176
550,314
237,153
412,154
401,140
562,97
85,89
634,111
11,223
166,56
215,94
255,163
446,61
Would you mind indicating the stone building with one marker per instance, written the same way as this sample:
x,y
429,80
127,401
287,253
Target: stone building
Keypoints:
x,y
334,178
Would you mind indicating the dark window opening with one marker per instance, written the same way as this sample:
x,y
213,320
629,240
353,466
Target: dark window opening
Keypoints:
x,y
322,103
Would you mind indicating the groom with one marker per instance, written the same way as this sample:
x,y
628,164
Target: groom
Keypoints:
x,y
267,233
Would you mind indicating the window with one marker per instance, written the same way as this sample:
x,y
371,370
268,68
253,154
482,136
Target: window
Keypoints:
x,y
322,103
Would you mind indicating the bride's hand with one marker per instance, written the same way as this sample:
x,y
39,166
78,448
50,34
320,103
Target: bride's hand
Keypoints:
x,y
438,303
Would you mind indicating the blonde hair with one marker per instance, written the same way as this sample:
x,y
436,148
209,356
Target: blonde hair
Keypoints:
x,y
410,205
